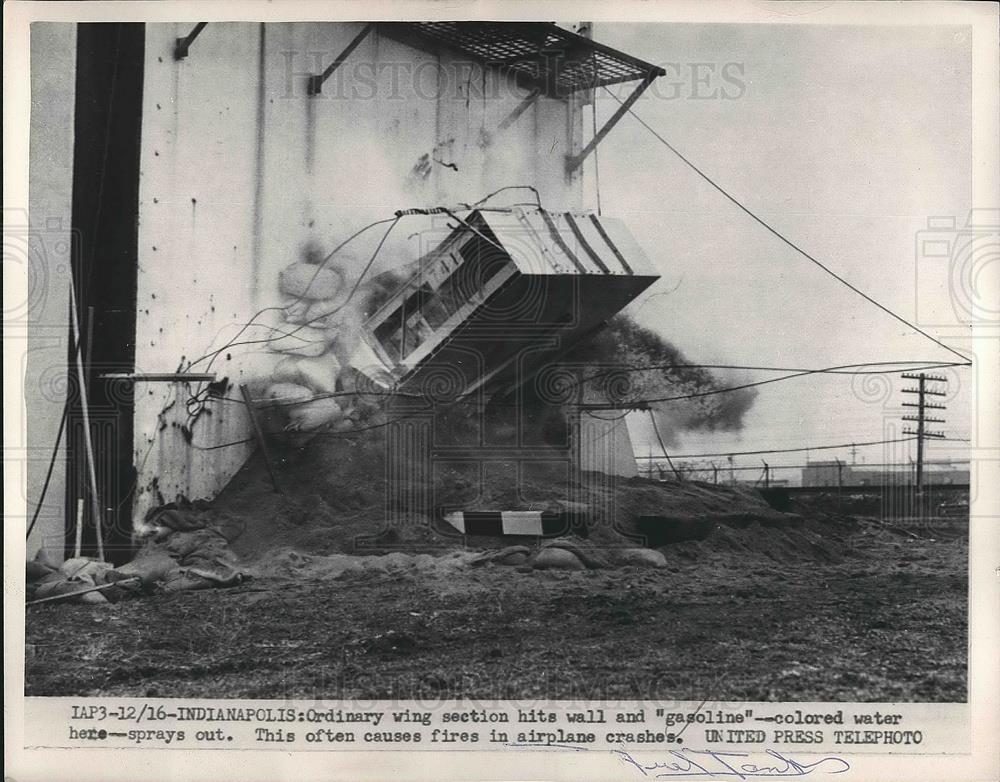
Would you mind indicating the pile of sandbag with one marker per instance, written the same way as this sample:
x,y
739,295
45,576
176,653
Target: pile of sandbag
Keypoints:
x,y
317,336
183,551
74,580
570,554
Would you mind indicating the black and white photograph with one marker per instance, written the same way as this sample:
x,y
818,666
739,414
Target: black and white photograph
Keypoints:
x,y
636,368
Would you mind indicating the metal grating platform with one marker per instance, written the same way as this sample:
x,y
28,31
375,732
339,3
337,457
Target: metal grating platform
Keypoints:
x,y
538,54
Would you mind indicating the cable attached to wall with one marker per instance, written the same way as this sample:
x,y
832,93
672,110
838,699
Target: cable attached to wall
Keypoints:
x,y
663,447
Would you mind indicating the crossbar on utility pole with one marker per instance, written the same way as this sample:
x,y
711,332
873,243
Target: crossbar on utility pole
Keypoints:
x,y
923,391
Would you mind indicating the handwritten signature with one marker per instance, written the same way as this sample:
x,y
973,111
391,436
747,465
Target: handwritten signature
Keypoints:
x,y
720,763
713,763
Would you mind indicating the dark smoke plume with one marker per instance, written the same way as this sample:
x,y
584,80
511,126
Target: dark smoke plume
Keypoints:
x,y
626,362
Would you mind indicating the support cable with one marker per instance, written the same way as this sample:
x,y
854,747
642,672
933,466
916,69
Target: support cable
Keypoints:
x,y
783,238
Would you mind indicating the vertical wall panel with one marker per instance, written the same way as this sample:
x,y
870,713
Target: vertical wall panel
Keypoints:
x,y
195,252
46,250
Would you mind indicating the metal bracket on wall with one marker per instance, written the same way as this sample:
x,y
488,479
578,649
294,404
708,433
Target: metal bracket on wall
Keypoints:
x,y
183,45
573,161
518,110
159,377
316,81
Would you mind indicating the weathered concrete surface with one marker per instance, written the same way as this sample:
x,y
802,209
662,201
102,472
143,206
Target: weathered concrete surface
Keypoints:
x,y
243,173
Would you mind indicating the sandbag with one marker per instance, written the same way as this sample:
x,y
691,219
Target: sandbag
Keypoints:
x,y
57,588
185,580
90,571
319,374
287,393
74,566
36,571
343,334
150,565
557,559
511,555
300,340
642,557
295,312
323,313
287,370
345,424
69,589
308,281
177,519
588,555
309,416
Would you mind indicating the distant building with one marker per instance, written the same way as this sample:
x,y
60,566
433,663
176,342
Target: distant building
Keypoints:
x,y
834,473
948,476
934,475
826,473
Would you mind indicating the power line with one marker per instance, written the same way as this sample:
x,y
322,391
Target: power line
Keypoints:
x,y
837,370
689,468
857,443
232,343
843,369
782,237
48,472
656,429
729,389
488,196
393,220
199,403
338,433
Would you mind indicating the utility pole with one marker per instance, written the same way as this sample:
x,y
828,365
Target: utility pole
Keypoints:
x,y
767,475
840,483
921,418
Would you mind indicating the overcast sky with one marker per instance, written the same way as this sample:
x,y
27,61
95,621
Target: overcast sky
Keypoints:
x,y
845,139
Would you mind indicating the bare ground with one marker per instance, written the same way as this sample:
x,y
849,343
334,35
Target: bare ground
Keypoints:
x,y
879,615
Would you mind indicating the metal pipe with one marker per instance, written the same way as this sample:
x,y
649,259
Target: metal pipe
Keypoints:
x,y
88,442
97,588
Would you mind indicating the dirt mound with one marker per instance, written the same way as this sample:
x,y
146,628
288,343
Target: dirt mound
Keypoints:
x,y
333,506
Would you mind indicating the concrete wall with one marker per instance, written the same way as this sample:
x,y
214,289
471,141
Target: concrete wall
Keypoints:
x,y
604,444
46,246
242,172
